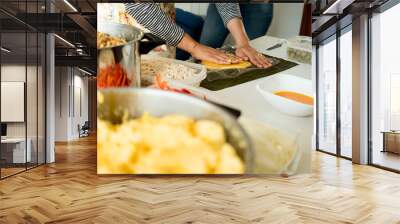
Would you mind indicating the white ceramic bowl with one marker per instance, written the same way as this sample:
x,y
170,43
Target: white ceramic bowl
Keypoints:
x,y
284,82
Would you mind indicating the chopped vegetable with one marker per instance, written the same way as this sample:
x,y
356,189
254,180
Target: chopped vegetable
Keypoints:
x,y
161,84
112,76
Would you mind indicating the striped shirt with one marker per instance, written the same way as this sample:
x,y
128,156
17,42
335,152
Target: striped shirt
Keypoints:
x,y
151,16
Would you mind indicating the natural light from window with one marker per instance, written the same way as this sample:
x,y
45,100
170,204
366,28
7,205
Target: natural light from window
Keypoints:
x,y
346,94
385,85
327,97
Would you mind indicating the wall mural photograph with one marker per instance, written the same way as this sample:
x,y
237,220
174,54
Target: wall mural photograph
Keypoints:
x,y
122,111
182,98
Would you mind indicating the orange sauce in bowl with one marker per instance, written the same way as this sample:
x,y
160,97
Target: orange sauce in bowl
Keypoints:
x,y
298,97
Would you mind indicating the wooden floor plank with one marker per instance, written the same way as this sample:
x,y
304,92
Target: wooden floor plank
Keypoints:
x,y
70,191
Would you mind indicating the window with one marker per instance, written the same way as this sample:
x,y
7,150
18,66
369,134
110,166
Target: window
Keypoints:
x,y
346,75
385,89
334,138
394,101
327,96
22,77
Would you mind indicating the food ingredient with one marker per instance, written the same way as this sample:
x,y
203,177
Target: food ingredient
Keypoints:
x,y
152,67
299,49
221,79
215,66
111,73
161,84
105,40
298,97
299,55
173,144
112,76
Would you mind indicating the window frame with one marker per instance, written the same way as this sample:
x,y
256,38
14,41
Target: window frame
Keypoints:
x,y
334,37
341,24
378,10
31,30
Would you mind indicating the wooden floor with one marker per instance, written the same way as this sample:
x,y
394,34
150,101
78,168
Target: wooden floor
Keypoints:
x,y
387,159
10,171
69,191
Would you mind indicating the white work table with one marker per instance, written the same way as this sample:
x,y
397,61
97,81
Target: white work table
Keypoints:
x,y
246,98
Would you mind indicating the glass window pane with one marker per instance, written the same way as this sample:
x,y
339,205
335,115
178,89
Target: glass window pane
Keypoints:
x,y
13,86
346,94
31,97
41,99
23,83
394,101
327,97
386,89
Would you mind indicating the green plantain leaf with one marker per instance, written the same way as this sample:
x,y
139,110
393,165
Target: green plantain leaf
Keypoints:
x,y
221,79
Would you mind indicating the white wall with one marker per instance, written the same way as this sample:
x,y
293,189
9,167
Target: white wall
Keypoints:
x,y
80,100
286,20
71,93
62,83
16,73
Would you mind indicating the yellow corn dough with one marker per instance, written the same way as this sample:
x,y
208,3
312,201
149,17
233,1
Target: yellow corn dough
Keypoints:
x,y
172,144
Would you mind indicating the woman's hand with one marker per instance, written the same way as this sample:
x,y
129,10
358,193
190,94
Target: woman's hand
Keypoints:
x,y
250,54
202,52
243,48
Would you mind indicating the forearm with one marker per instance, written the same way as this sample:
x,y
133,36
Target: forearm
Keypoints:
x,y
236,28
187,43
232,18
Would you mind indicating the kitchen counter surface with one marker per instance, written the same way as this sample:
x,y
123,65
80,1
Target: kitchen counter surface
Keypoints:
x,y
246,98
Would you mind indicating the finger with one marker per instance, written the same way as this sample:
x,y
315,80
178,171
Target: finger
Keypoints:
x,y
231,59
218,60
222,59
255,62
264,61
235,59
216,56
254,59
252,56
241,55
221,55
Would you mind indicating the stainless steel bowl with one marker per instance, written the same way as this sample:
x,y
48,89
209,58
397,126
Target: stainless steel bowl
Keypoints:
x,y
135,101
128,54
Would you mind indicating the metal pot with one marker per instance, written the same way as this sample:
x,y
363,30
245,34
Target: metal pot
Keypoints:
x,y
117,102
128,54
